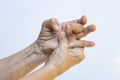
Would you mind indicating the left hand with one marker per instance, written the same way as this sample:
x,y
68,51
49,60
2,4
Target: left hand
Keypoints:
x,y
47,40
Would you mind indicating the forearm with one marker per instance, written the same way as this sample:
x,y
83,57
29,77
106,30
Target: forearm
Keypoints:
x,y
22,62
47,72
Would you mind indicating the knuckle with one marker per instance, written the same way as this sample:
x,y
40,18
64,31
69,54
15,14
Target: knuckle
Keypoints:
x,y
53,20
44,22
82,57
49,21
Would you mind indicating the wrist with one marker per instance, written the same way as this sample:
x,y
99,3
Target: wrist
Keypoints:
x,y
39,50
50,70
47,72
43,47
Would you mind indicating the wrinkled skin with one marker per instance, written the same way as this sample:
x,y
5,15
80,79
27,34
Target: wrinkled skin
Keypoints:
x,y
63,57
69,52
49,41
64,42
48,38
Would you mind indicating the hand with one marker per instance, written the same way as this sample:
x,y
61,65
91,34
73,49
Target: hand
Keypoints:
x,y
63,57
74,41
47,40
72,51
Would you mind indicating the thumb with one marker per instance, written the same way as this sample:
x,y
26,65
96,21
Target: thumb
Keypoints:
x,y
63,42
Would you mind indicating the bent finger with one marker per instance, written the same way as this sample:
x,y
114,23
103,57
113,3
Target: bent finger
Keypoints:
x,y
51,24
83,20
86,31
77,28
69,34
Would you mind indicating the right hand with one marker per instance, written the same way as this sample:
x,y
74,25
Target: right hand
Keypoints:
x,y
63,57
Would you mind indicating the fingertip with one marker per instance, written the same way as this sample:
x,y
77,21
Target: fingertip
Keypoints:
x,y
91,44
83,20
91,28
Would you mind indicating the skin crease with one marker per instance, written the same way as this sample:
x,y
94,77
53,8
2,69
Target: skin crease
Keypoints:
x,y
47,40
63,57
39,51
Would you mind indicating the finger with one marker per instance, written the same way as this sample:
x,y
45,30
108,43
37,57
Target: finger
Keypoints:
x,y
82,21
63,43
68,30
77,28
69,34
86,31
51,24
82,43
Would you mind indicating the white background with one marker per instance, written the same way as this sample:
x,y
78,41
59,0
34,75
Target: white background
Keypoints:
x,y
20,23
